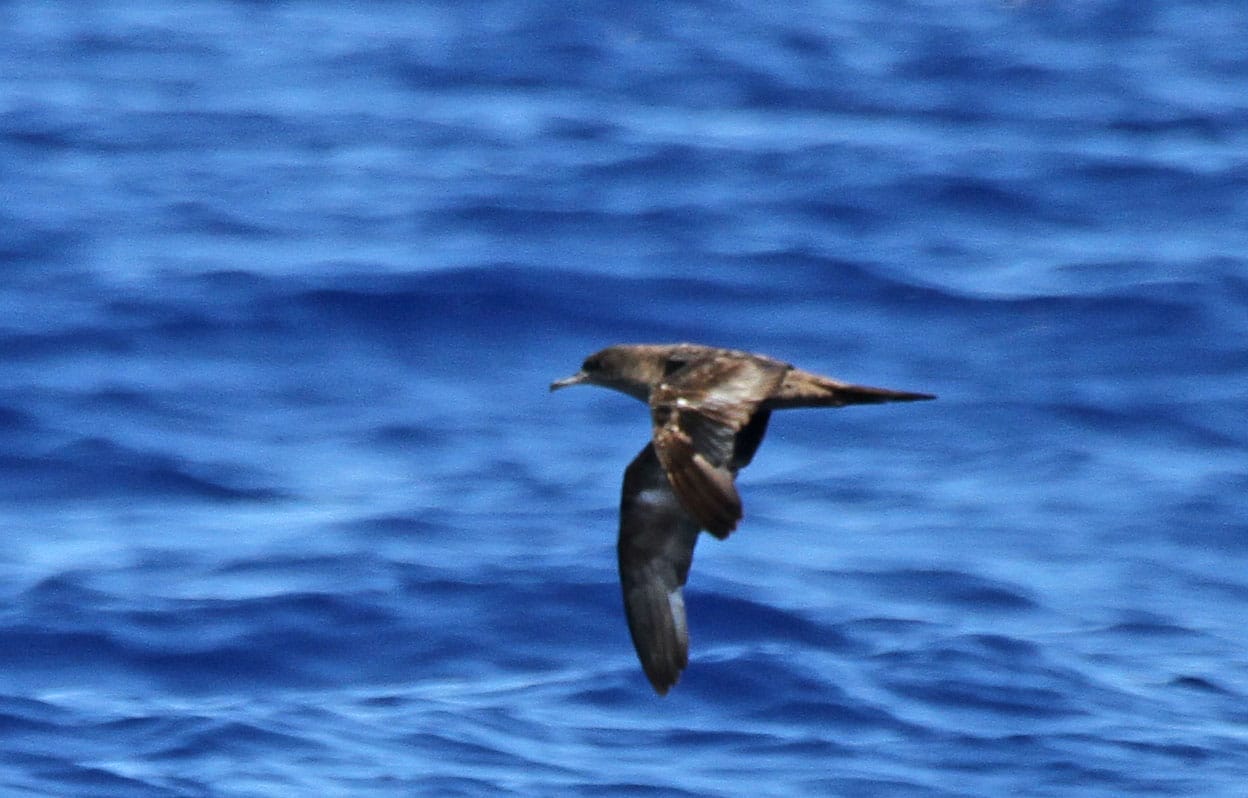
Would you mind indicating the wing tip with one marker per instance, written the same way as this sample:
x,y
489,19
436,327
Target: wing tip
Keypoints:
x,y
664,674
662,685
656,622
714,502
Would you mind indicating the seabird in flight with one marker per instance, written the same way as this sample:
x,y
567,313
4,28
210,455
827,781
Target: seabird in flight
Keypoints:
x,y
709,409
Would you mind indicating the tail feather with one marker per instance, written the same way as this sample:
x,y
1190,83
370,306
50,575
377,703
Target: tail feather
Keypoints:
x,y
803,389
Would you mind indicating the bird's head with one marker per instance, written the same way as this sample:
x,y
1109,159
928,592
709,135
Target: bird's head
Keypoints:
x,y
628,368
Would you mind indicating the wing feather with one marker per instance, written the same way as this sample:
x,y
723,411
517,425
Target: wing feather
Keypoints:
x,y
697,412
655,549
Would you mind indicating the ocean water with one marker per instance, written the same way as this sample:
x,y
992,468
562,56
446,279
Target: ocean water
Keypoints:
x,y
286,507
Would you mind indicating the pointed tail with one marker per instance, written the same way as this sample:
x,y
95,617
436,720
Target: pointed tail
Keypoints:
x,y
803,389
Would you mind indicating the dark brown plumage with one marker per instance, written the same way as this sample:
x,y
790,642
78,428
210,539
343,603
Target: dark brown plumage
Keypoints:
x,y
709,408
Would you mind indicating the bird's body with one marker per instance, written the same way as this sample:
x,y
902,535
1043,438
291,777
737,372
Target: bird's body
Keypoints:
x,y
709,408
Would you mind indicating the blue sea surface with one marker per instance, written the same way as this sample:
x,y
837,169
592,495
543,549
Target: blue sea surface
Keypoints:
x,y
287,509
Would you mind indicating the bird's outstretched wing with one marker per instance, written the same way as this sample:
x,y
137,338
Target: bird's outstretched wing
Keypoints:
x,y
697,412
657,536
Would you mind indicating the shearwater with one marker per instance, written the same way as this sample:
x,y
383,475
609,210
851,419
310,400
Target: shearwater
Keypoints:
x,y
709,409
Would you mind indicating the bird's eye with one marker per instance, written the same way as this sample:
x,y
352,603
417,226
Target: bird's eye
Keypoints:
x,y
591,364
671,366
